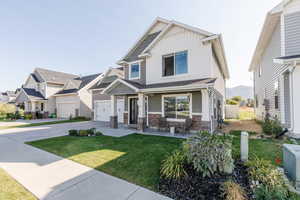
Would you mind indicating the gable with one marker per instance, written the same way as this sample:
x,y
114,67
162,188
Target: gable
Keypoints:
x,y
30,82
159,26
22,97
120,89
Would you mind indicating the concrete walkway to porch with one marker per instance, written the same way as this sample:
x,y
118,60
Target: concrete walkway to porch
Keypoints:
x,y
51,177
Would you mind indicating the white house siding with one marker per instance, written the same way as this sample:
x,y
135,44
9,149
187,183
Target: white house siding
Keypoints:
x,y
264,85
296,100
292,33
71,99
31,83
85,108
51,90
180,39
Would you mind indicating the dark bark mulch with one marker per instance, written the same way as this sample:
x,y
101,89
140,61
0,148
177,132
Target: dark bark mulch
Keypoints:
x,y
195,187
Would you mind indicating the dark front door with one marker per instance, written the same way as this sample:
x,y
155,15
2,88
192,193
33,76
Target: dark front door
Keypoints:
x,y
133,112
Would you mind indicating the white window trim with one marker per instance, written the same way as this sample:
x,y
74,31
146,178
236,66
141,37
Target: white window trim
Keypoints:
x,y
173,54
176,95
129,66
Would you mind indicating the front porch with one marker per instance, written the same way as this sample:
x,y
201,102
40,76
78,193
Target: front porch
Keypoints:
x,y
37,109
186,110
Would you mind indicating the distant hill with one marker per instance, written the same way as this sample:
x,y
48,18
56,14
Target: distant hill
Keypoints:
x,y
245,92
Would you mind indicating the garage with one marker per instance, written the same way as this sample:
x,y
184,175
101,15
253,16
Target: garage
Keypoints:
x,y
103,110
65,110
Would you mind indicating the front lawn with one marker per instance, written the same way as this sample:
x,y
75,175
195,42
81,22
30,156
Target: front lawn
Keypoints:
x,y
10,189
42,123
135,158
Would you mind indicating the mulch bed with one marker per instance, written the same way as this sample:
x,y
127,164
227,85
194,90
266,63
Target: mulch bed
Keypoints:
x,y
195,187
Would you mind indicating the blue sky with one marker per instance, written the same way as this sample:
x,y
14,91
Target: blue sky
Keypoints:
x,y
87,36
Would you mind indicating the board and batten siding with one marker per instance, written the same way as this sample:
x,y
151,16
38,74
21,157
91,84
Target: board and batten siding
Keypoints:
x,y
292,33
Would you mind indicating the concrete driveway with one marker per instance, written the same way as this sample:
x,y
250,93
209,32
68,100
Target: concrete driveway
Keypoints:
x,y
24,122
52,177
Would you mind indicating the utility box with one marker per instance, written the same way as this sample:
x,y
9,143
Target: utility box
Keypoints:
x,y
291,163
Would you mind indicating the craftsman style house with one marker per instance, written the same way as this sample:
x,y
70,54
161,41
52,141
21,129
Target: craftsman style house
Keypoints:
x,y
275,66
48,92
174,76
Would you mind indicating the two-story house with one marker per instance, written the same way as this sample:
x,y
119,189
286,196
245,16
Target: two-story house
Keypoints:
x,y
275,66
36,94
174,72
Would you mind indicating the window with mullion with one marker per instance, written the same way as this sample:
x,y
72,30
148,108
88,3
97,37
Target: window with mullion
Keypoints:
x,y
175,64
177,107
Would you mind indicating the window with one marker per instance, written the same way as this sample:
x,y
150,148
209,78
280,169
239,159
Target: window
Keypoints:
x,y
177,107
276,95
134,71
42,106
174,64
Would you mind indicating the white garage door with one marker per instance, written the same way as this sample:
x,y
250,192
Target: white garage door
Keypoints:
x,y
65,110
103,110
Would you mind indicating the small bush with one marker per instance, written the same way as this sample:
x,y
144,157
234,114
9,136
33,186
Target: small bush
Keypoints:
x,y
98,133
233,191
173,166
265,193
91,131
83,133
231,102
73,132
272,127
210,153
28,116
263,172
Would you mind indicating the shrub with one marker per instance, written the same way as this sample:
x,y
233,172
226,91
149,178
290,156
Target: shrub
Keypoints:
x,y
272,127
73,132
233,191
231,102
98,133
264,193
28,116
210,153
91,131
263,172
83,133
173,166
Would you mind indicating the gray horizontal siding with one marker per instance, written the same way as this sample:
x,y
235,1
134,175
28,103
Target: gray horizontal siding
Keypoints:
x,y
292,33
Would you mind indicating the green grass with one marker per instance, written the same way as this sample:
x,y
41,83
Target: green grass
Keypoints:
x,y
41,124
135,158
10,189
268,149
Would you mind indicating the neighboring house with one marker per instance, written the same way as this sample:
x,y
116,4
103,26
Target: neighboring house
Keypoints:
x,y
75,99
275,66
8,97
36,95
102,102
174,72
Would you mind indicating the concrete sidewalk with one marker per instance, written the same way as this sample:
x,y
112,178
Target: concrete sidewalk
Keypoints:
x,y
51,177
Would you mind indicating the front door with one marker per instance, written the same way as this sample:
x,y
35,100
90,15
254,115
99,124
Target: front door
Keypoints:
x,y
133,110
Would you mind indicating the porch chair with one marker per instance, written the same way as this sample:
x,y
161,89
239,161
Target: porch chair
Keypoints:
x,y
162,124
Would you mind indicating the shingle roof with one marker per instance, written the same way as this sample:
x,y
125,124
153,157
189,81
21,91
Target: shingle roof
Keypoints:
x,y
133,55
172,84
53,76
104,83
33,94
78,83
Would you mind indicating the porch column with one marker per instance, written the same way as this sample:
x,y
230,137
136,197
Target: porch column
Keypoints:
x,y
205,105
114,112
33,113
142,112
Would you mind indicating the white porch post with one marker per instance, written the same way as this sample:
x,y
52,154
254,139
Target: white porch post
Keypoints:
x,y
114,112
205,105
33,104
142,112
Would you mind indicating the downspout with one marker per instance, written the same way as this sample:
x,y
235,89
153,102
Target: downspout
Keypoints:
x,y
292,94
209,91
